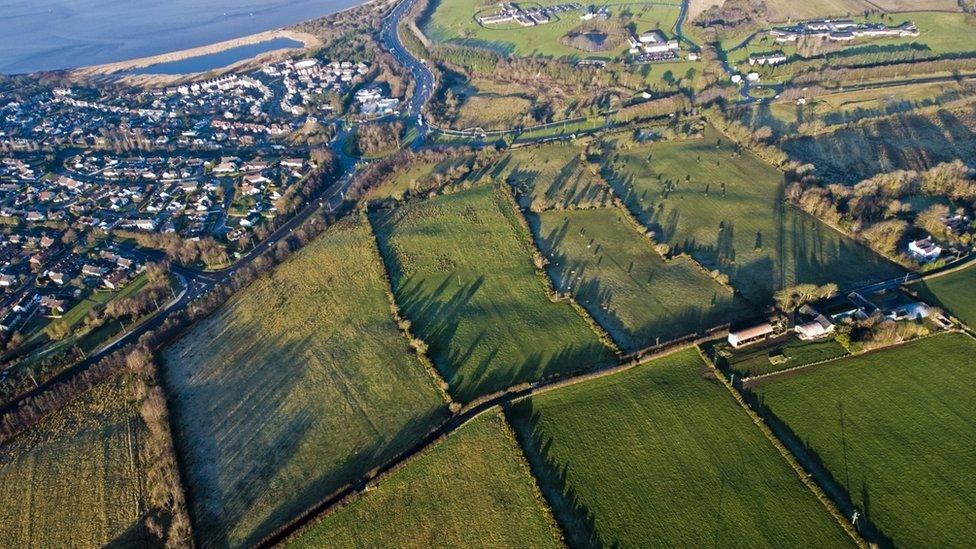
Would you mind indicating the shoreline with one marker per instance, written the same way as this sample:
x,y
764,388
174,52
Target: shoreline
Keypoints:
x,y
308,42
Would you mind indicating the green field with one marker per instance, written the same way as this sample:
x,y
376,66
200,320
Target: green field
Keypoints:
x,y
551,176
954,292
910,141
473,489
745,230
454,22
462,272
775,355
297,386
660,455
614,272
415,178
895,428
75,479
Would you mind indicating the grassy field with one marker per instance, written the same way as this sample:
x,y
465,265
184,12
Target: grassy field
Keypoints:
x,y
75,479
454,22
661,455
415,178
551,176
895,428
786,10
908,141
617,276
775,355
954,292
743,229
473,489
786,118
462,272
297,386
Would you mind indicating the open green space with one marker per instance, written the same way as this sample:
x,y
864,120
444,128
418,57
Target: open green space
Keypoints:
x,y
955,292
662,455
472,489
75,479
724,206
824,111
551,176
614,272
895,429
775,354
915,141
454,22
297,386
462,272
415,178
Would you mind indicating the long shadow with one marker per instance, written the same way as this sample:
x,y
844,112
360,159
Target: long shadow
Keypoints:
x,y
577,520
814,465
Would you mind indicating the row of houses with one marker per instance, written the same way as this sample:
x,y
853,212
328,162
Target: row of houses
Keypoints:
x,y
841,30
527,17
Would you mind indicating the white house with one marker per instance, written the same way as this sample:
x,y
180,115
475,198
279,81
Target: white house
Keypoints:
x,y
924,250
817,328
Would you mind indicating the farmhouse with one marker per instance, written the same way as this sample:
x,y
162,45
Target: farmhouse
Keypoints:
x,y
750,335
924,250
817,328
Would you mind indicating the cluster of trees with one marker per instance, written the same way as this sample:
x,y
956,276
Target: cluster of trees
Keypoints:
x,y
875,210
377,137
185,252
832,77
794,297
876,332
731,16
168,519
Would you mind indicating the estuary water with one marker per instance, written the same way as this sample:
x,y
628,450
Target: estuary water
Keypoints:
x,y
38,35
216,60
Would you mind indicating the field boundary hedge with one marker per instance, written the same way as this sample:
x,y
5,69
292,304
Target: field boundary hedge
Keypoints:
x,y
801,473
539,261
418,345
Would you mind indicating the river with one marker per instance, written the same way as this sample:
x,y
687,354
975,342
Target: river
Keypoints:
x,y
38,35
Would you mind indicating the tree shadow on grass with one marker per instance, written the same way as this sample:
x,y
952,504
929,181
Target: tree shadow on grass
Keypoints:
x,y
577,520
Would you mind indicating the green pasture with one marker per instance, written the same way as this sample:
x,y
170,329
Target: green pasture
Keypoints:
x,y
298,385
462,272
614,272
661,455
724,206
472,489
895,429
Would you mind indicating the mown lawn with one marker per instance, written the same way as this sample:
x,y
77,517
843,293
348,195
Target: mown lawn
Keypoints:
x,y
660,455
895,428
297,386
453,21
552,176
614,272
725,208
473,489
954,292
462,272
75,479
778,354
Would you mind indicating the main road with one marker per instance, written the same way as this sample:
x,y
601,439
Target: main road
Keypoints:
x,y
423,77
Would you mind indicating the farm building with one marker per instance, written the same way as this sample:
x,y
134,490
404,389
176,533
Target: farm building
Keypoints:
x,y
750,335
817,328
